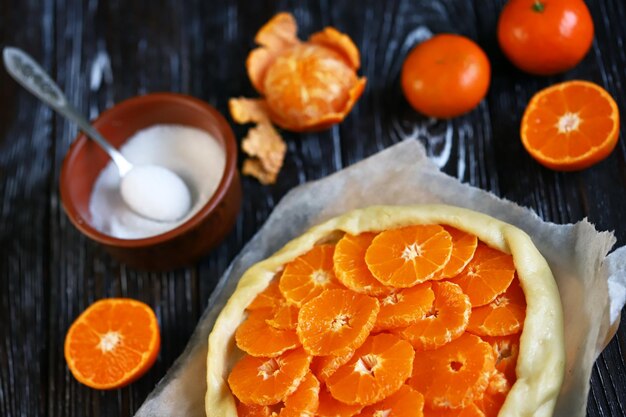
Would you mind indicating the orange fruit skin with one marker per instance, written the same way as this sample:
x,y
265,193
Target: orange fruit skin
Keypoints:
x,y
590,142
445,76
406,402
257,338
378,369
267,381
545,37
401,258
454,375
503,316
128,358
336,322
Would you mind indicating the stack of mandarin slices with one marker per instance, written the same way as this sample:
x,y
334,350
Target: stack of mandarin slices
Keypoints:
x,y
416,320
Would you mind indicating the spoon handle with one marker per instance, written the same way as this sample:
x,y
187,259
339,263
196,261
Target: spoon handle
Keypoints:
x,y
32,77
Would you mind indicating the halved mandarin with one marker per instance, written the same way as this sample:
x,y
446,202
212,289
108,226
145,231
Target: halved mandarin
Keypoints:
x,y
410,255
454,375
350,267
304,400
488,274
506,351
267,381
308,275
503,316
403,307
463,248
325,366
257,338
471,410
308,85
406,402
330,407
444,322
284,315
378,369
336,322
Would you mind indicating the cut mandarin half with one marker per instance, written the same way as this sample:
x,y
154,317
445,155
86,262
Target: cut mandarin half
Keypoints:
x,y
406,402
330,407
506,351
308,275
378,369
307,85
350,267
444,322
403,307
410,255
454,375
325,366
284,315
336,322
487,275
112,343
257,338
267,381
503,316
571,125
463,248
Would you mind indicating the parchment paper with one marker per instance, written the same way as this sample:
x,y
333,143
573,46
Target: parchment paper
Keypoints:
x,y
592,285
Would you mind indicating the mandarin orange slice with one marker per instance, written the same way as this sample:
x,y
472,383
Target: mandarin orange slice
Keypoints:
x,y
495,394
112,343
310,85
308,275
350,267
404,307
454,375
255,410
488,274
378,369
406,402
270,297
471,410
257,338
336,322
503,316
325,366
444,322
267,381
330,407
284,315
463,248
304,400
410,255
506,351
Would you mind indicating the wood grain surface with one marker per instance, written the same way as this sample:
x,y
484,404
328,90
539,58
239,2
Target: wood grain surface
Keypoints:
x,y
102,52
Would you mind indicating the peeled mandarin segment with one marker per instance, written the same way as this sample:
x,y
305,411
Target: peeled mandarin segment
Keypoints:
x,y
463,248
488,274
404,307
350,267
378,369
506,350
495,394
333,39
406,402
570,125
471,410
454,375
308,275
411,255
112,343
305,83
446,321
336,322
330,407
503,316
304,400
324,366
257,338
267,381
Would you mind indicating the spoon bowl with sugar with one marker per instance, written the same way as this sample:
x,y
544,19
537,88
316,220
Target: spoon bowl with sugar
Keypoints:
x,y
152,191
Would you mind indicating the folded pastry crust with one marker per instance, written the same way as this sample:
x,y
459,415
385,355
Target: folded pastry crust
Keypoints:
x,y
541,360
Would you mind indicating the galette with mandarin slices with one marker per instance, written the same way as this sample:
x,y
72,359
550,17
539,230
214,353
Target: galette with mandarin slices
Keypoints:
x,y
432,311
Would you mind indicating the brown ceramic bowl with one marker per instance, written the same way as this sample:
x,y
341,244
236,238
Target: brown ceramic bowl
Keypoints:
x,y
187,242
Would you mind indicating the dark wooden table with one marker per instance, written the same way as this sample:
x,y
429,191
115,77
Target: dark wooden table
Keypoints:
x,y
103,52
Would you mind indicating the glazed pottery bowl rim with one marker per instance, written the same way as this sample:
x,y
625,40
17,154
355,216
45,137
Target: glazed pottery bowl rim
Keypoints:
x,y
230,152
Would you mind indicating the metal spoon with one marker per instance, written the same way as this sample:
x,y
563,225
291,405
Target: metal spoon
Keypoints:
x,y
150,202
